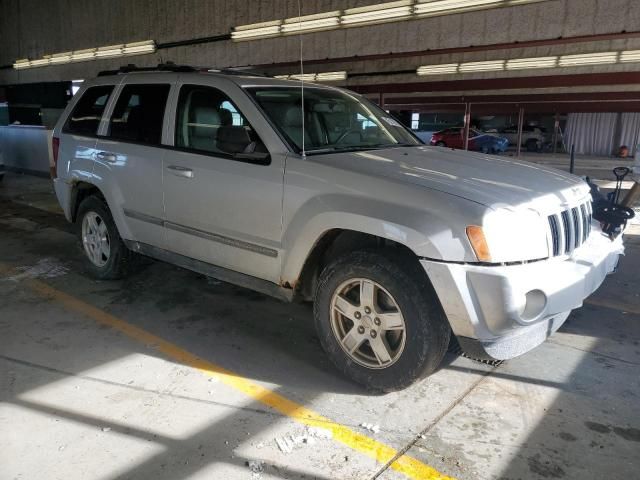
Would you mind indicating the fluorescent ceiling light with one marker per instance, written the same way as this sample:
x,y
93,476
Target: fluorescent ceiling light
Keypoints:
x,y
41,62
533,62
529,63
315,77
425,8
311,23
394,11
256,30
82,55
110,51
382,12
630,56
59,58
22,63
488,66
331,76
135,48
438,69
588,59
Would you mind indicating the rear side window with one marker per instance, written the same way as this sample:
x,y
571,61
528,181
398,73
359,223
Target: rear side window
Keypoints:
x,y
139,113
86,115
208,121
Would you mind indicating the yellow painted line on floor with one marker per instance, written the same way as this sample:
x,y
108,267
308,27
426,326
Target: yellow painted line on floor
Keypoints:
x,y
382,453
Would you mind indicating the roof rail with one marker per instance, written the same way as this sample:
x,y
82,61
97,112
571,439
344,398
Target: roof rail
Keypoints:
x,y
161,67
172,67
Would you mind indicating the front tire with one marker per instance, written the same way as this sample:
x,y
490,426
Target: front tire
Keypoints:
x,y
379,319
108,257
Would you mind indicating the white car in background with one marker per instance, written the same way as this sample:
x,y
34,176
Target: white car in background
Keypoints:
x,y
532,137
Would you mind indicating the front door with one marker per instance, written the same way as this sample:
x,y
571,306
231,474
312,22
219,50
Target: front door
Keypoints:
x,y
223,192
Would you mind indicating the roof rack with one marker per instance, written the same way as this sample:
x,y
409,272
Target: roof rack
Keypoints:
x,y
172,67
161,67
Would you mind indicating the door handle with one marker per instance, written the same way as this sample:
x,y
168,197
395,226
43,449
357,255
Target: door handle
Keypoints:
x,y
107,157
180,171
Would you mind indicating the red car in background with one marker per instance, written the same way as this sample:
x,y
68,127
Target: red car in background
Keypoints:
x,y
478,141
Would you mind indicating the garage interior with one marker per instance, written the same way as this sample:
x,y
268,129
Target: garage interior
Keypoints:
x,y
169,374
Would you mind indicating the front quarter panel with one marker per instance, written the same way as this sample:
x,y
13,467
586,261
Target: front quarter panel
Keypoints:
x,y
319,198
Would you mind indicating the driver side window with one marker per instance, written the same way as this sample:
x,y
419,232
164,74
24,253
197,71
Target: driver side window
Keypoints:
x,y
208,121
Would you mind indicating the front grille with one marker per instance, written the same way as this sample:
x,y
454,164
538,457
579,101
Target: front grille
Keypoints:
x,y
570,228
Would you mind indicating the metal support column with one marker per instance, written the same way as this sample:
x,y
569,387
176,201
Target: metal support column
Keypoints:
x,y
520,125
467,125
381,100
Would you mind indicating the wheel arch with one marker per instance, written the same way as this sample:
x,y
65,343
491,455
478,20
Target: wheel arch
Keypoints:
x,y
331,244
79,191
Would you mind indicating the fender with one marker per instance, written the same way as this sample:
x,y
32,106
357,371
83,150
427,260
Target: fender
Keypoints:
x,y
427,233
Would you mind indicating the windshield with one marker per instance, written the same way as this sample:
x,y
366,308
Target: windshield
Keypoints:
x,y
333,121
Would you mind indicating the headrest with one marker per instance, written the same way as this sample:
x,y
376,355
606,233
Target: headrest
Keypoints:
x,y
293,117
225,116
206,116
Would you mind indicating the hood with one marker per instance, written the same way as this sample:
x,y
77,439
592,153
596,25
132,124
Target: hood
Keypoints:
x,y
490,180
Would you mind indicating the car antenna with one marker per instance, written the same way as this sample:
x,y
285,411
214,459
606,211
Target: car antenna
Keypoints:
x,y
304,154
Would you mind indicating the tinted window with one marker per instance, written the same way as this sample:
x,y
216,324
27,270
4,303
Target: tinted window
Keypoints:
x,y
208,121
86,115
139,113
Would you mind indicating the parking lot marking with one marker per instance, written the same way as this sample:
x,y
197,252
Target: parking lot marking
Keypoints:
x,y
380,452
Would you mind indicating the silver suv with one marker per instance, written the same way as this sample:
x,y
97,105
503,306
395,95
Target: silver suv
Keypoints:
x,y
321,196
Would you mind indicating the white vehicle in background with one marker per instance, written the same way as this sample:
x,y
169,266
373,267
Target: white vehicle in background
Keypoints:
x,y
533,137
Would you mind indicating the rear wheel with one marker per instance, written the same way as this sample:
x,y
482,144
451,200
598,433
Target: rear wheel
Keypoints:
x,y
379,319
109,258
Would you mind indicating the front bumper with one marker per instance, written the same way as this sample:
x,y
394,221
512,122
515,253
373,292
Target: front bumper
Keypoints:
x,y
505,311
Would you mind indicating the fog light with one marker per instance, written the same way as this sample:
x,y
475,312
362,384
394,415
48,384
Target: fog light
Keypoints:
x,y
534,305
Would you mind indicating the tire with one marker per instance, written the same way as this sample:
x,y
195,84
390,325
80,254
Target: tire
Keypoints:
x,y
531,145
441,144
414,352
486,149
120,260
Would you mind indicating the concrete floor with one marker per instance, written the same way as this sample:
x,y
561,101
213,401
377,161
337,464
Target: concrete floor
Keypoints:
x,y
90,388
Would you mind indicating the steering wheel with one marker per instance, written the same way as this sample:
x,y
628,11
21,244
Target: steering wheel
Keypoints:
x,y
344,135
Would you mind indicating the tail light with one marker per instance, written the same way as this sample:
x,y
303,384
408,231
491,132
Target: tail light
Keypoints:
x,y
55,145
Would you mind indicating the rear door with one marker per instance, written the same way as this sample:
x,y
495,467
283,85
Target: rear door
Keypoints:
x,y
129,157
79,131
223,207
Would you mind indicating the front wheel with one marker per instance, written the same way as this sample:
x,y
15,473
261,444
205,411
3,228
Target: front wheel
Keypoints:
x,y
379,319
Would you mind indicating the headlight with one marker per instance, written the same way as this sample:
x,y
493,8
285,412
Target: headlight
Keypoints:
x,y
510,236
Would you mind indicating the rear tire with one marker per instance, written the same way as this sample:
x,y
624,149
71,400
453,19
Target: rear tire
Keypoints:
x,y
108,257
389,344
532,145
